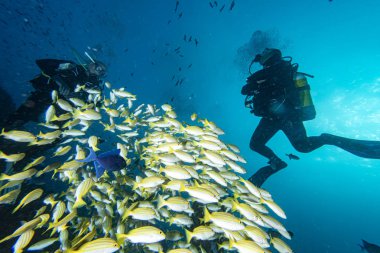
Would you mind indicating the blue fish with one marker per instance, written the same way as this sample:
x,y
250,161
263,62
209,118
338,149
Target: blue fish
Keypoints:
x,y
110,161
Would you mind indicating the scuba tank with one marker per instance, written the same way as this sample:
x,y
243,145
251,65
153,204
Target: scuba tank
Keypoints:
x,y
304,105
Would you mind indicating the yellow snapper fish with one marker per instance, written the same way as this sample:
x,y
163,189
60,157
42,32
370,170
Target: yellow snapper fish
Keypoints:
x,y
201,233
77,102
200,193
11,184
23,241
40,245
81,191
13,158
123,94
31,196
146,234
62,151
141,213
18,176
247,246
101,245
223,220
54,96
93,142
50,114
18,136
62,222
50,135
280,245
177,204
30,225
88,114
58,211
49,168
64,105
36,162
193,116
10,196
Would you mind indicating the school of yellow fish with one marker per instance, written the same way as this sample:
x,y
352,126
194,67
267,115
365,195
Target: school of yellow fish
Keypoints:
x,y
186,194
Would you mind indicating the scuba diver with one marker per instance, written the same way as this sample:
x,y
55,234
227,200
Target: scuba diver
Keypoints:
x,y
280,95
60,75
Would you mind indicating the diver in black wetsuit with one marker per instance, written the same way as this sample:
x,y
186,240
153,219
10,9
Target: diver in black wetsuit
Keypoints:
x,y
281,96
60,75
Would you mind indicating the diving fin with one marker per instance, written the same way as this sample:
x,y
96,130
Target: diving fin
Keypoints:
x,y
362,148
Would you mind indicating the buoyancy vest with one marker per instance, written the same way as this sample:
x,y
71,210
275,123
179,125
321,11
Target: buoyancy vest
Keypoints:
x,y
279,92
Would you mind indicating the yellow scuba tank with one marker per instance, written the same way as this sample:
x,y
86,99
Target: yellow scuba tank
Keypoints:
x,y
305,104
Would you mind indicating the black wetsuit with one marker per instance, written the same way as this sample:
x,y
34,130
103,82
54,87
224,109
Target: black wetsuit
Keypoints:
x,y
55,74
274,99
274,102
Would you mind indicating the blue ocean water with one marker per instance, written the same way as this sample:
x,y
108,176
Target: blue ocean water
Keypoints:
x,y
331,198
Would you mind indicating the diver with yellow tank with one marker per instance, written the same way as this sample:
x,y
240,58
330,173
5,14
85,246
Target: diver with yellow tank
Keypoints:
x,y
280,95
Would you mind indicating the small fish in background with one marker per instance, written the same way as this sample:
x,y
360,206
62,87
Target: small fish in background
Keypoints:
x,y
196,42
190,39
292,157
184,37
210,3
222,8
233,4
180,15
176,6
369,247
215,3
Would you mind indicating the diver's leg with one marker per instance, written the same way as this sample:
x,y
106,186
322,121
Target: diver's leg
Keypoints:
x,y
296,133
262,175
30,110
263,133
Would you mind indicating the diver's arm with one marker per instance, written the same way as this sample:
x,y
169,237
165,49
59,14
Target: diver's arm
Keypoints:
x,y
52,66
249,87
246,89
